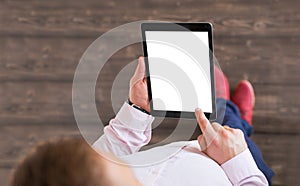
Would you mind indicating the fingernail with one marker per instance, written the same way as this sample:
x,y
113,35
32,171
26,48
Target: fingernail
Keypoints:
x,y
203,115
198,112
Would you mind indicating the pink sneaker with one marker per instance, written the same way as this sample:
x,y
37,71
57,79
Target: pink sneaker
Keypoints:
x,y
244,99
221,84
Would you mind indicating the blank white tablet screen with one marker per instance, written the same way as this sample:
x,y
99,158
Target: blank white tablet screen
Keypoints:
x,y
179,67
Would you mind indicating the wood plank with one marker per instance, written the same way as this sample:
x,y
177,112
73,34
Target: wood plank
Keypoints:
x,y
56,59
45,59
17,140
35,59
275,105
70,19
281,152
5,174
45,103
36,102
262,61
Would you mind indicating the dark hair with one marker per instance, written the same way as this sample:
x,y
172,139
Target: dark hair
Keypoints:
x,y
61,162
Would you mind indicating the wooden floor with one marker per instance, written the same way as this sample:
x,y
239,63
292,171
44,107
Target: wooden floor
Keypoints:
x,y
41,43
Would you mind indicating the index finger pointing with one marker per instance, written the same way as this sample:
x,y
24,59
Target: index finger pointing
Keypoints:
x,y
208,131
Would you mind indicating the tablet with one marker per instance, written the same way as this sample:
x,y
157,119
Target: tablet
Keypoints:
x,y
179,69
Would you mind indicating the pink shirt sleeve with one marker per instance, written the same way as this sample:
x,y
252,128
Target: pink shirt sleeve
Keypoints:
x,y
129,131
242,170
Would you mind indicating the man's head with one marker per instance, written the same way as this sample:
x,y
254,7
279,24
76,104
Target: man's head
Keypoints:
x,y
70,162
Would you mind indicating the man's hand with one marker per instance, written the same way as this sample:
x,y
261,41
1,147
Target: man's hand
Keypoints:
x,y
138,93
218,142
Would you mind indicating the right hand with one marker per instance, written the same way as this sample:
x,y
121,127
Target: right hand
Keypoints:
x,y
218,142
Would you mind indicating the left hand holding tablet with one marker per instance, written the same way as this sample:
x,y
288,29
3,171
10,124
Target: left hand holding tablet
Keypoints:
x,y
138,93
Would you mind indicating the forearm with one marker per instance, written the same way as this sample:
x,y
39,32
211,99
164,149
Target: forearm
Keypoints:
x,y
242,170
126,133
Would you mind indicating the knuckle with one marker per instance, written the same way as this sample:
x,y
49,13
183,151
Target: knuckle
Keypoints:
x,y
224,133
238,132
215,142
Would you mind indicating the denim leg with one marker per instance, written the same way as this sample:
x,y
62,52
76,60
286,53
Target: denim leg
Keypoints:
x,y
228,114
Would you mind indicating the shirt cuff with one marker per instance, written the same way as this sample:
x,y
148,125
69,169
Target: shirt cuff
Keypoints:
x,y
240,167
134,118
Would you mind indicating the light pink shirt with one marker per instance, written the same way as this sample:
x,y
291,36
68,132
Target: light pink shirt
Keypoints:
x,y
179,163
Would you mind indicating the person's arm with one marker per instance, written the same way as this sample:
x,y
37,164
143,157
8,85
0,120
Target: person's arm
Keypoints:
x,y
242,170
227,146
131,128
126,133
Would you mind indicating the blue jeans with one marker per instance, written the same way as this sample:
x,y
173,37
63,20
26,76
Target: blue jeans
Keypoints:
x,y
228,114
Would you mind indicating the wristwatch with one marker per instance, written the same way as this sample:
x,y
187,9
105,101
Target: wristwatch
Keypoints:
x,y
137,107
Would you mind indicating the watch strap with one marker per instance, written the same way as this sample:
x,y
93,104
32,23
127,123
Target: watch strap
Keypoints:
x,y
137,107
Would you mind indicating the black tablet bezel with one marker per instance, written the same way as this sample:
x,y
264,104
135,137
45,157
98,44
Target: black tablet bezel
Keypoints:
x,y
205,27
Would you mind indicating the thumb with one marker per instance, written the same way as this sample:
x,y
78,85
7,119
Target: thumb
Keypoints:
x,y
202,142
140,69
